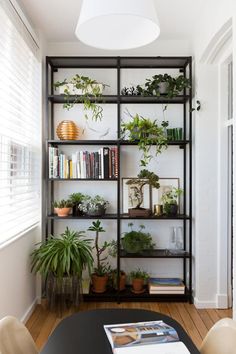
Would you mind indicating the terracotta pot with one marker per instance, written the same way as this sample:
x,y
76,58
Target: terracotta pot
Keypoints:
x,y
138,285
122,281
99,283
62,211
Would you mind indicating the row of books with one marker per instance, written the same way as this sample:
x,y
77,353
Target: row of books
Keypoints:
x,y
101,164
166,286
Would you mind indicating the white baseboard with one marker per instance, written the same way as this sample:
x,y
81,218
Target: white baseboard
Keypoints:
x,y
204,304
222,301
29,311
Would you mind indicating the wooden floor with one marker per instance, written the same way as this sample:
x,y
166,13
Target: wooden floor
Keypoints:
x,y
196,322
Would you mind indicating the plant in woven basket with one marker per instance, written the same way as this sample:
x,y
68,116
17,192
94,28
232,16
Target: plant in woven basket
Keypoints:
x,y
82,89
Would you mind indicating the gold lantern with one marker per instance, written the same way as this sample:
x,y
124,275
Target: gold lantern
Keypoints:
x,y
67,130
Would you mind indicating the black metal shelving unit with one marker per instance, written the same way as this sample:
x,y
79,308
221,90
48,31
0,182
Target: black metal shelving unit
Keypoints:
x,y
184,65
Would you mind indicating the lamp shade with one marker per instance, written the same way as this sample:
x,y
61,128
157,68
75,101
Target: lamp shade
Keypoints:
x,y
117,24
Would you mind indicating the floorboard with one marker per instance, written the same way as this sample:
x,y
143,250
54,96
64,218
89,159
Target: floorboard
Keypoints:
x,y
196,322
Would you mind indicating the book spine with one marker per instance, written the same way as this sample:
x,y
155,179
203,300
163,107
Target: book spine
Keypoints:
x,y
116,162
106,165
96,165
102,162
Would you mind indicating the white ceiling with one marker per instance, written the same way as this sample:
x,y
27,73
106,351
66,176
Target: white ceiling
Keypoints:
x,y
57,18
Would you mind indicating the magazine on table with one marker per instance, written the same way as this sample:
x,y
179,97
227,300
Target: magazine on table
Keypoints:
x,y
152,337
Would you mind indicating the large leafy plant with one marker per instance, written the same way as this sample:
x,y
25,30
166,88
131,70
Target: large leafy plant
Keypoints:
x,y
66,255
146,133
91,93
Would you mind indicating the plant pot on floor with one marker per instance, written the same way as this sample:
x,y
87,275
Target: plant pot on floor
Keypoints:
x,y
99,283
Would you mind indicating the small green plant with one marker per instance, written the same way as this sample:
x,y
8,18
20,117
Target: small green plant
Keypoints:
x,y
144,177
76,198
93,204
102,267
146,133
139,274
171,196
62,204
169,200
174,86
91,92
137,241
65,255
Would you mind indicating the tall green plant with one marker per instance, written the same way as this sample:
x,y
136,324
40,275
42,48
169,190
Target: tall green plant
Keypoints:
x,y
102,267
66,255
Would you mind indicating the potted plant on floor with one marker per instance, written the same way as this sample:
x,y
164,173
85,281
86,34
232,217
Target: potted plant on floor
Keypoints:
x,y
170,201
102,268
93,206
146,133
137,241
82,89
62,207
61,261
138,278
76,200
145,177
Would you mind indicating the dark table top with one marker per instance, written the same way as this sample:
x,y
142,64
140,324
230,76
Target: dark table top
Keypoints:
x,y
83,332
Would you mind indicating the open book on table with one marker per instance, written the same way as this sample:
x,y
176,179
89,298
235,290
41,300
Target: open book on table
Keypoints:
x,y
153,337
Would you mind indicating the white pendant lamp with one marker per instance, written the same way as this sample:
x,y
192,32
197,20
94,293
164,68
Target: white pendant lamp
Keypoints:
x,y
117,24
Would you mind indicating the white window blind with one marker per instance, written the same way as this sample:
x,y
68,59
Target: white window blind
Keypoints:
x,y
20,102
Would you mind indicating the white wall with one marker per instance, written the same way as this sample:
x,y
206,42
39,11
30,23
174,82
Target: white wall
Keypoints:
x,y
208,130
18,285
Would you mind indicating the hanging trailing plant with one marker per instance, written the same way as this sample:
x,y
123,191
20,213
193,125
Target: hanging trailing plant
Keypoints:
x,y
82,89
146,133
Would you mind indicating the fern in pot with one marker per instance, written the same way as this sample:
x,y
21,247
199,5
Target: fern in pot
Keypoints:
x,y
76,200
61,261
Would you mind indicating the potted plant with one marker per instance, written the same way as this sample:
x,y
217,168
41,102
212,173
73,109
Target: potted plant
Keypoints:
x,y
102,269
164,84
93,206
137,241
76,199
146,133
169,200
61,261
82,89
138,278
144,177
122,279
62,207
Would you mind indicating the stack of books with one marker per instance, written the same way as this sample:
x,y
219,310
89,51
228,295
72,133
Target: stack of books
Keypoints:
x,y
101,164
166,286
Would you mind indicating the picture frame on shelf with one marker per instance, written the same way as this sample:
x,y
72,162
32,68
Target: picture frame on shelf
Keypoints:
x,y
130,195
166,184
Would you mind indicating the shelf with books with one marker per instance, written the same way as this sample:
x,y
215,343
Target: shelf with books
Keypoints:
x,y
117,102
82,164
163,253
84,179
